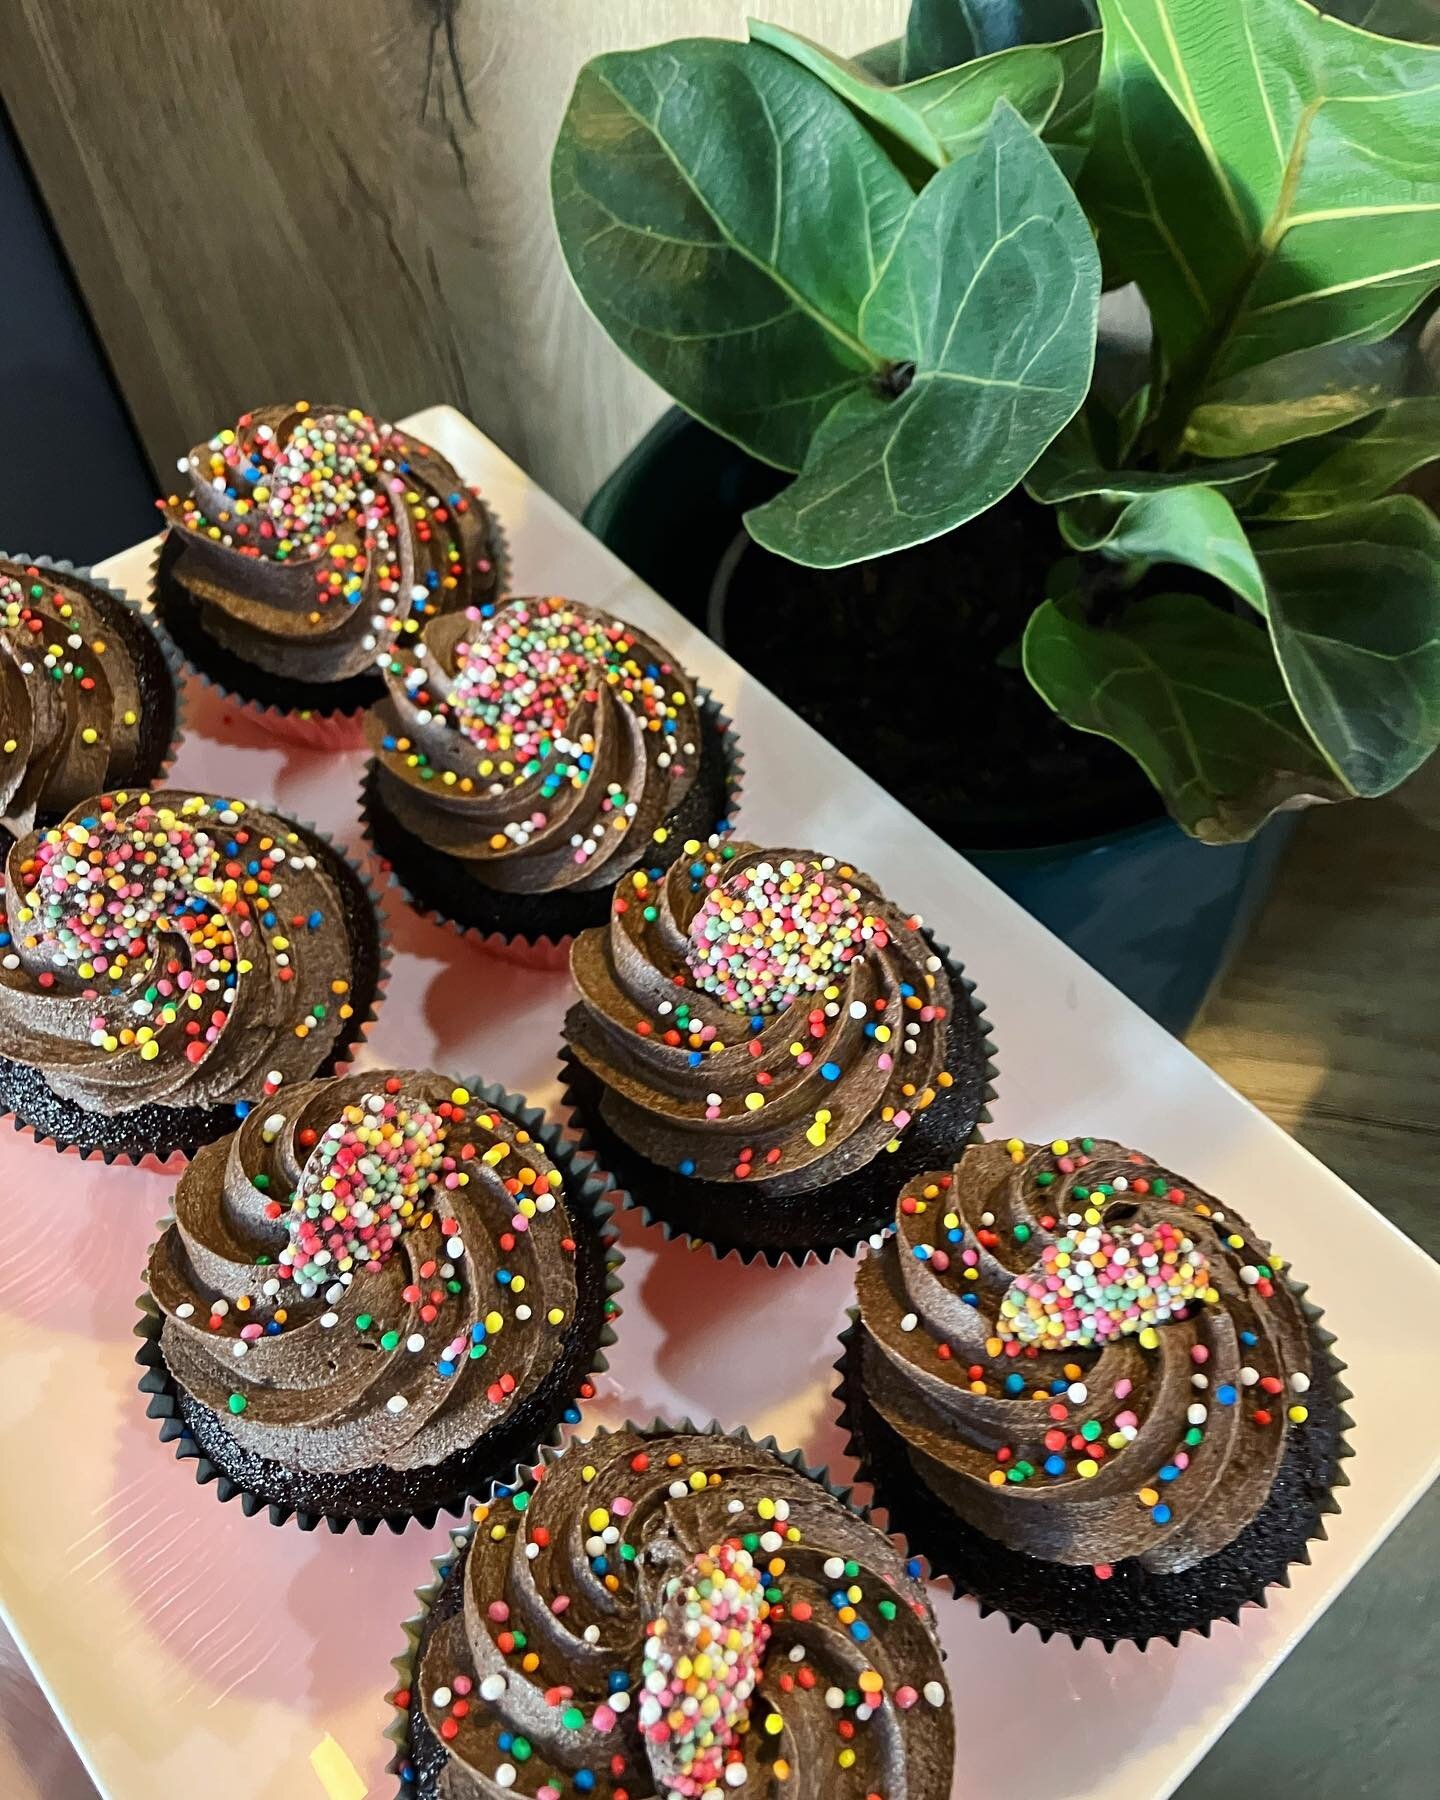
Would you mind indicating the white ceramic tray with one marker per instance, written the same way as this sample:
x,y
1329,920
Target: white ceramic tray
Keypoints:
x,y
186,1646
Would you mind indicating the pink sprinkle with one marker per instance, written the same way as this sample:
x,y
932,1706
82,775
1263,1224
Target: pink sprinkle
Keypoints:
x,y
560,1604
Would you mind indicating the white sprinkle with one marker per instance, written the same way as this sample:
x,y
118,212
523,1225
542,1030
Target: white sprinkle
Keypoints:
x,y
415,1341
441,1696
328,1319
834,1567
1197,1414
505,1775
396,1403
934,1693
834,1698
909,1322
185,1310
492,1687
1300,1382
1249,1376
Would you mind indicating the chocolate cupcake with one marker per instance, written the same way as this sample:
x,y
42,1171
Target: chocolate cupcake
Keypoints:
x,y
667,1611
312,538
1089,1393
166,959
765,1047
528,756
376,1297
87,696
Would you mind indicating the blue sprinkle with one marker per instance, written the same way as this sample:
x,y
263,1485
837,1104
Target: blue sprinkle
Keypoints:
x,y
477,1332
1248,1337
831,1071
838,1600
1054,1465
1014,1384
971,1299
1169,1473
695,1059
955,1234
272,1329
914,1568
922,1253
1160,1514
617,1681
505,1740
860,1631
584,1781
242,1109
316,918
572,1415
504,1277
1225,1395
688,1167
906,989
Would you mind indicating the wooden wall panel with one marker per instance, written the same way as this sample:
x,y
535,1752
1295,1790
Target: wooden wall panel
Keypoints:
x,y
342,199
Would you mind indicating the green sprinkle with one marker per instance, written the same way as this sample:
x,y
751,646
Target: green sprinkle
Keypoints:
x,y
238,1403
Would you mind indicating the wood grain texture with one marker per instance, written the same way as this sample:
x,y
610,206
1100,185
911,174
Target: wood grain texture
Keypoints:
x,y
343,201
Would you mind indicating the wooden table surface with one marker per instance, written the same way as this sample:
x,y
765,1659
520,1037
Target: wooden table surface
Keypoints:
x,y
1327,1020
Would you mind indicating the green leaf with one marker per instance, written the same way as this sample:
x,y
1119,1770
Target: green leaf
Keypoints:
x,y
1355,619
1361,462
1302,395
1268,176
991,295
1416,20
1195,526
942,118
1070,470
1195,696
943,33
724,215
883,62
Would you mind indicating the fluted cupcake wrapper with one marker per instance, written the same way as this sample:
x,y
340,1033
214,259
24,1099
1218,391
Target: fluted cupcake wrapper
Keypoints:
x,y
315,719
962,1557
401,1731
589,1204
503,934
141,626
154,1136
637,1181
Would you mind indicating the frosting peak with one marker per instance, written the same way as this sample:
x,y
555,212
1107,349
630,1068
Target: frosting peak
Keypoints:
x,y
1085,1356
312,535
539,744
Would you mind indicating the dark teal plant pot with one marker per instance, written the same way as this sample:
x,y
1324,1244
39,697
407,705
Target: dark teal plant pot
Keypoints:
x,y
1151,909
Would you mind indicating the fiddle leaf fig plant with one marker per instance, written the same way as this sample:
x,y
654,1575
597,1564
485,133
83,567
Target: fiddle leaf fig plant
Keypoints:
x,y
884,276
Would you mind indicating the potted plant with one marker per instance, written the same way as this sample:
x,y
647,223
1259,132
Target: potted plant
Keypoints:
x,y
1045,579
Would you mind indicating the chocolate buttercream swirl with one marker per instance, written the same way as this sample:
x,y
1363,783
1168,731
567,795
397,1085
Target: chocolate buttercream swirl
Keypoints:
x,y
171,948
1086,1357
377,1269
760,1015
312,535
541,744
664,1607
78,670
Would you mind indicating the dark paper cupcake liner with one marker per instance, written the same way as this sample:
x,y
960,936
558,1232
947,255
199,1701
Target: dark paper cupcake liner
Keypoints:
x,y
667,1199
538,928
1133,1606
154,1134
273,701
419,1755
160,671
520,1444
